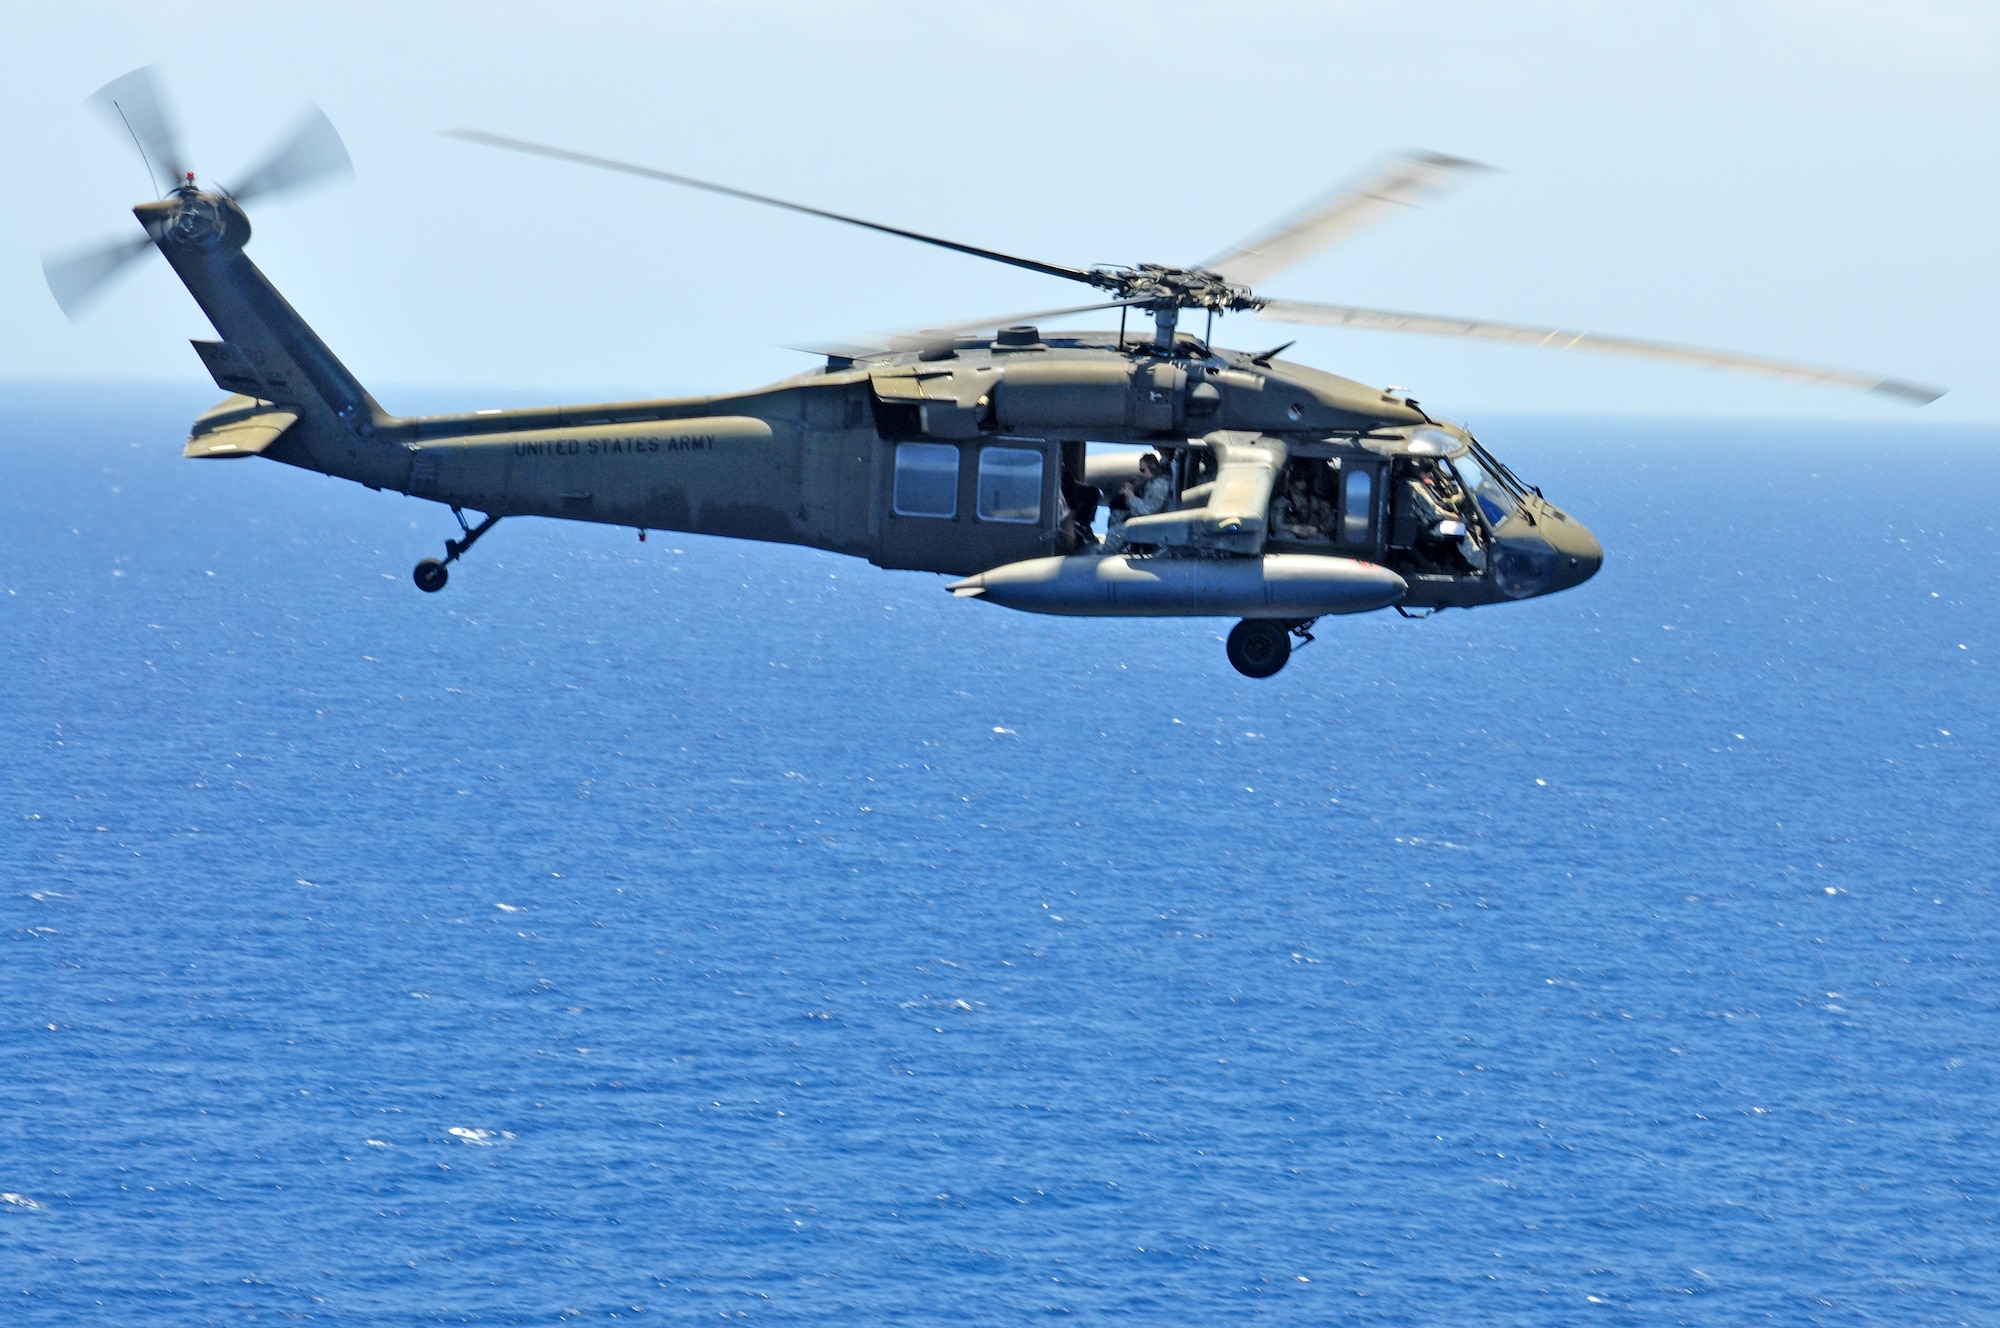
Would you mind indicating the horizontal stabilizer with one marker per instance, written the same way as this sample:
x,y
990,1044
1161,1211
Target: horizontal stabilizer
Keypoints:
x,y
240,426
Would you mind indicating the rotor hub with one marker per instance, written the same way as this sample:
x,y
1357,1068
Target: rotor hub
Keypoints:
x,y
190,219
1157,286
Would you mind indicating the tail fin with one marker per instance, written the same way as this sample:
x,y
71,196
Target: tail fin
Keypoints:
x,y
266,351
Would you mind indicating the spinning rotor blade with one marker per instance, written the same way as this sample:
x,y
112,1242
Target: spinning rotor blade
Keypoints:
x,y
134,104
75,280
312,151
1383,320
1408,180
1034,316
647,172
943,334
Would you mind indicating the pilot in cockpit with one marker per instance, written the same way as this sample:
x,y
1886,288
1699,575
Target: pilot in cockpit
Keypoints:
x,y
1439,505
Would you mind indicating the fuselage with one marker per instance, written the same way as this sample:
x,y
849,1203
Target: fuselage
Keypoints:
x,y
964,461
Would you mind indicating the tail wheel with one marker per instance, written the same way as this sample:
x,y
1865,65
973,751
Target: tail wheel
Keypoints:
x,y
430,576
1259,647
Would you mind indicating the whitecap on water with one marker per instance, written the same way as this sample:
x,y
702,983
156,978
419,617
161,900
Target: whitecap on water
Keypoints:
x,y
20,1200
482,1137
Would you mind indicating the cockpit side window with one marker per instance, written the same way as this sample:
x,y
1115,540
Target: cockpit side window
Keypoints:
x,y
1495,503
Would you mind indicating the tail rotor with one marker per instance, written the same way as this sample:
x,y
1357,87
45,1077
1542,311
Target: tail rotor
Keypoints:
x,y
76,279
135,103
310,152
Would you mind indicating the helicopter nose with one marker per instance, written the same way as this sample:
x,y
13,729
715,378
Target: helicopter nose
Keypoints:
x,y
1578,554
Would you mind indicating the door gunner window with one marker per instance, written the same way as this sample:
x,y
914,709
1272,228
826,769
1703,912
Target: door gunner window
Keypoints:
x,y
1357,505
926,479
1010,484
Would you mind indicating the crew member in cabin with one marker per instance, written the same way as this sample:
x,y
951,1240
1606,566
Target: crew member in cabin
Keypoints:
x,y
1299,513
1148,494
1082,500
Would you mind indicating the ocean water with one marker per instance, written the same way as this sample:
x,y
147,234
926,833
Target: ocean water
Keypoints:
x,y
692,930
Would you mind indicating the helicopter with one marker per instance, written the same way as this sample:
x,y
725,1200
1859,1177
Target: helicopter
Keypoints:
x,y
1275,493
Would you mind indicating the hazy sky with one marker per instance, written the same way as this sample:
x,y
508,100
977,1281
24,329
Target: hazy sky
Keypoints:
x,y
1806,178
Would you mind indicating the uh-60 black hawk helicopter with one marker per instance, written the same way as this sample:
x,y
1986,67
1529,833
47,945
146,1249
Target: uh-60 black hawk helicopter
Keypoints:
x,y
1277,493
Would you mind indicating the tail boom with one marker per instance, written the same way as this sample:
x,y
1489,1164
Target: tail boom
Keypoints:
x,y
267,351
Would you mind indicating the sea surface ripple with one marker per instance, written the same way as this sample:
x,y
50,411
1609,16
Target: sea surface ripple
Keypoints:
x,y
690,928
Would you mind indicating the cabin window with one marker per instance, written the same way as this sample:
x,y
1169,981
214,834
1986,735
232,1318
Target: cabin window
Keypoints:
x,y
1357,504
926,479
1010,484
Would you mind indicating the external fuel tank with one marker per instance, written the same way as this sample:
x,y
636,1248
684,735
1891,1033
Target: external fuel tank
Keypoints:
x,y
1278,585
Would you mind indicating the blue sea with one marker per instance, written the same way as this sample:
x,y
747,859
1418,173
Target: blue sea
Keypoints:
x,y
690,930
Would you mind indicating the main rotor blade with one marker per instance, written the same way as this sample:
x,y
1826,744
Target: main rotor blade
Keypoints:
x,y
1406,181
941,334
1383,320
1032,316
138,109
312,151
647,172
75,280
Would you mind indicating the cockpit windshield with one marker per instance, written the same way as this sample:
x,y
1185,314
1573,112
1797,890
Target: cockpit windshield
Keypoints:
x,y
1495,502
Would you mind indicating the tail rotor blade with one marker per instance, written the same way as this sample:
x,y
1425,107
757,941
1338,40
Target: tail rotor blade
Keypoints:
x,y
135,104
76,279
311,152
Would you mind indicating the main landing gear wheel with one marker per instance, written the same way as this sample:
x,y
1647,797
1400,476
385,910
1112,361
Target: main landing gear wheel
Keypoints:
x,y
431,574
1259,647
